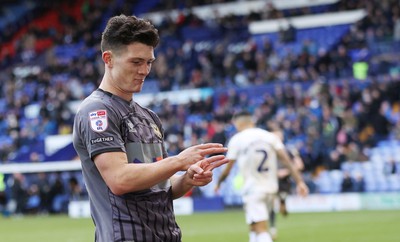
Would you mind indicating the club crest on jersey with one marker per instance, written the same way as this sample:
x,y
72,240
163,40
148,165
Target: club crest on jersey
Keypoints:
x,y
156,130
98,120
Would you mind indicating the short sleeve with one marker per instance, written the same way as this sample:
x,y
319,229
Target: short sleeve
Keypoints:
x,y
233,148
99,129
277,142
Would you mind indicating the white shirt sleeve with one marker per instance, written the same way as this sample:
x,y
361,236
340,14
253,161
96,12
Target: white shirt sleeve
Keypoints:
x,y
233,148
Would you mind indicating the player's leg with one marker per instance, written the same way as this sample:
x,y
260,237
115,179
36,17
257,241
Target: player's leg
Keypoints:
x,y
272,219
264,237
257,216
282,205
261,229
270,205
248,213
249,218
272,225
252,236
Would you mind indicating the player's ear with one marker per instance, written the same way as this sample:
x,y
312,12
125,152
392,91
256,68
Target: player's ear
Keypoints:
x,y
107,58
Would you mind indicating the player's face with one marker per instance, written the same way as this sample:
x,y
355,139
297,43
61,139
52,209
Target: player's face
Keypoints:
x,y
131,66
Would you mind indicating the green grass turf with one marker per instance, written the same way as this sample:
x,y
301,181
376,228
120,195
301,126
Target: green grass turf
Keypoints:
x,y
228,226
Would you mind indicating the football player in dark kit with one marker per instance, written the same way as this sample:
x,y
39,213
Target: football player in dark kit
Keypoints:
x,y
129,177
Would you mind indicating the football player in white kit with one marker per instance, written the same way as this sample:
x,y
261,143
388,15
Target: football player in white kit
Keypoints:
x,y
256,152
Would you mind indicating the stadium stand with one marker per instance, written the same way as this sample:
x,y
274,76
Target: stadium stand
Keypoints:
x,y
333,87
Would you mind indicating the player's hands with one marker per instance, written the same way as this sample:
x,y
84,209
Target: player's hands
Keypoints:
x,y
197,153
200,173
302,189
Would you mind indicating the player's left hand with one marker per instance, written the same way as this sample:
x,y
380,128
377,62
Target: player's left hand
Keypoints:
x,y
302,189
201,173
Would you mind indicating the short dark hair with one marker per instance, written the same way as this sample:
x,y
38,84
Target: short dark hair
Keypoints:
x,y
123,30
241,113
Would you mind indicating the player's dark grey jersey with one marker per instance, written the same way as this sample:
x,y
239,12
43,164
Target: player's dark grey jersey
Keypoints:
x,y
105,123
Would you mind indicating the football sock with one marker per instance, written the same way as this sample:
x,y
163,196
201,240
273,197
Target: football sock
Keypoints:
x,y
252,236
264,237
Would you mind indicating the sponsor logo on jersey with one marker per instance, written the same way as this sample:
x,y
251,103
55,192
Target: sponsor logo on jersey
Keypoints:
x,y
101,140
98,120
156,130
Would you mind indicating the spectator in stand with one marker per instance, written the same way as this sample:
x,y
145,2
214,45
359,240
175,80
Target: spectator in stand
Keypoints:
x,y
43,184
396,130
390,167
33,199
219,134
347,183
396,29
288,34
359,183
18,193
354,152
57,194
335,159
381,125
76,192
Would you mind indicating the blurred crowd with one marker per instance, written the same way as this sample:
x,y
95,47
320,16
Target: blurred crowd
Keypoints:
x,y
41,193
326,114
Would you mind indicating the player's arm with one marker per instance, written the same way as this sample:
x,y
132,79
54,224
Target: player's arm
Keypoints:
x,y
297,161
224,174
283,172
123,177
294,172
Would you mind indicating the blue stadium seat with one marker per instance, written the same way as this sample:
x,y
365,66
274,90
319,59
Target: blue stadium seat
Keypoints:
x,y
382,183
394,182
14,12
324,183
144,6
324,37
346,166
336,177
199,33
370,182
366,167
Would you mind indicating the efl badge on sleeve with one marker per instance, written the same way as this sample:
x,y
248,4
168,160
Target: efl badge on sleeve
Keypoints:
x,y
98,120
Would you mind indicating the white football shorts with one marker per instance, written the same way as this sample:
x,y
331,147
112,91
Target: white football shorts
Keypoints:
x,y
257,207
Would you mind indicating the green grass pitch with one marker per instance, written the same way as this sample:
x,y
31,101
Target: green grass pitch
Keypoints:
x,y
227,226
